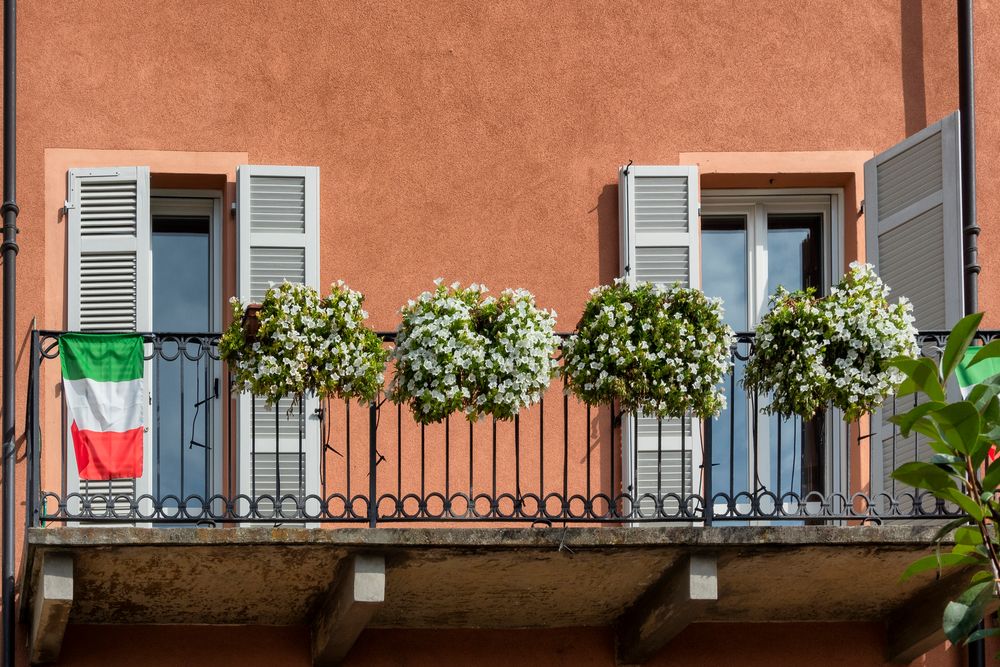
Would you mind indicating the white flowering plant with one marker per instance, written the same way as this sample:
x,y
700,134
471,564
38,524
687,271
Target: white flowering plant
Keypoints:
x,y
519,358
661,351
812,352
789,355
458,350
306,344
437,351
867,333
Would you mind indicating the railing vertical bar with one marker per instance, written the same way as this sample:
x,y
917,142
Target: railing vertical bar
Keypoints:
x,y
732,431
634,482
471,465
588,454
612,494
64,444
347,453
683,493
659,464
277,458
157,436
423,493
231,488
447,457
325,419
181,349
708,507
894,429
780,460
755,447
493,496
541,452
399,453
372,465
253,448
565,490
517,457
33,499
301,490
208,440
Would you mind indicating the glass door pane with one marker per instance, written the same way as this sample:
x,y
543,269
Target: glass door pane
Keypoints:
x,y
182,387
726,274
794,261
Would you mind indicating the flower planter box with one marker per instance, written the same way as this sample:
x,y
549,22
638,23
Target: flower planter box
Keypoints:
x,y
251,322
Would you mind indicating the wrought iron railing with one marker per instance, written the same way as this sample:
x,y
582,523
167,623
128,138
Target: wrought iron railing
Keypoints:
x,y
559,462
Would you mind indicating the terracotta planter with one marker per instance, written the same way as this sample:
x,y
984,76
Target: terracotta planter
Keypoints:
x,y
251,322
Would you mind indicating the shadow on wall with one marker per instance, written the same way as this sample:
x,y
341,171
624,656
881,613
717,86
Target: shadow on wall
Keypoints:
x,y
607,234
911,28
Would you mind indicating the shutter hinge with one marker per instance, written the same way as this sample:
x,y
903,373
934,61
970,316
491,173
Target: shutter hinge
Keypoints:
x,y
232,210
861,211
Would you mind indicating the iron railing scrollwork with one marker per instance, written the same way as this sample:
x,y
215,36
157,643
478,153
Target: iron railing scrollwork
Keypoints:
x,y
558,463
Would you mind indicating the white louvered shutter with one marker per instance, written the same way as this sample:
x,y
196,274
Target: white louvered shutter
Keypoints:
x,y
278,239
913,224
660,231
108,282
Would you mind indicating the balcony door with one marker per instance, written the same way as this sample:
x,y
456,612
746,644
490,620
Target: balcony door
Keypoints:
x,y
185,387
751,244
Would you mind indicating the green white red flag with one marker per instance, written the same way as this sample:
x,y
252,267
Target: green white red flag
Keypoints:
x,y
103,387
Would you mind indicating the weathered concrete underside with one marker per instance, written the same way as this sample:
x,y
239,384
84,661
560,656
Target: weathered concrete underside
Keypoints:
x,y
501,578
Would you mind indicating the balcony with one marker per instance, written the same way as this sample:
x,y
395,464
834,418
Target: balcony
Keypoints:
x,y
792,520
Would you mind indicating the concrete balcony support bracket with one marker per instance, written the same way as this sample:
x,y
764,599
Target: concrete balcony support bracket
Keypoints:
x,y
350,605
682,596
915,627
51,603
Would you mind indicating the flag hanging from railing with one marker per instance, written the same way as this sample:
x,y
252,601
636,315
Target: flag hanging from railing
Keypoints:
x,y
103,387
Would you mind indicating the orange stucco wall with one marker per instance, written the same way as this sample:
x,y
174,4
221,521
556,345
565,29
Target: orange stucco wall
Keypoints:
x,y
480,141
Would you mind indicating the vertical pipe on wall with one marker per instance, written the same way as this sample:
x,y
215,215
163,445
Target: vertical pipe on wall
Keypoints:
x,y
8,251
970,228
967,107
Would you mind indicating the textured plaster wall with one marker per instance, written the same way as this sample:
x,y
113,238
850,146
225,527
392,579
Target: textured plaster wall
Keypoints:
x,y
480,141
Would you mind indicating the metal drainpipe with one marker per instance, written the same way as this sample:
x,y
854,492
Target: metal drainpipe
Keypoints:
x,y
967,107
970,228
8,250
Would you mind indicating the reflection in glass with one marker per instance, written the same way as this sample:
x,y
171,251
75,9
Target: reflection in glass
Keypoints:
x,y
724,275
794,260
182,304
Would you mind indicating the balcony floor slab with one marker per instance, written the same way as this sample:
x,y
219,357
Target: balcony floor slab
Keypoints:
x,y
467,577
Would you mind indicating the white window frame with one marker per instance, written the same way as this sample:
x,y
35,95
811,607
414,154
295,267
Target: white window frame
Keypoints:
x,y
756,205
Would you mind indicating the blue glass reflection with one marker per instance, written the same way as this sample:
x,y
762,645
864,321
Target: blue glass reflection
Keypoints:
x,y
181,303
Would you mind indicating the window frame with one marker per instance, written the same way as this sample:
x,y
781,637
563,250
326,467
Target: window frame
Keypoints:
x,y
756,204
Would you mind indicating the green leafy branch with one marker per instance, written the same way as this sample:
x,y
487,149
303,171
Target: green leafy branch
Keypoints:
x,y
961,434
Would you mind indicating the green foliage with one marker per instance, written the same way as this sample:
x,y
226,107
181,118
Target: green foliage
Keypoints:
x,y
456,350
811,352
306,343
661,351
961,433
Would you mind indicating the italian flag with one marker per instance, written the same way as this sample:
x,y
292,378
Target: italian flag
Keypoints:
x,y
969,376
103,387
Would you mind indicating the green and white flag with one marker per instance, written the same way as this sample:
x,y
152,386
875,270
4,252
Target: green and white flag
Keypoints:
x,y
968,377
103,386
